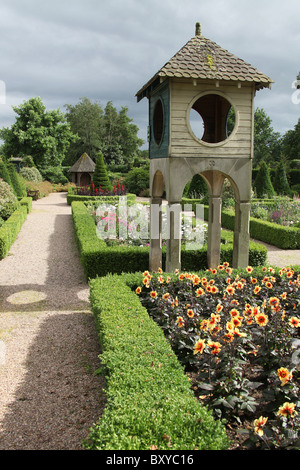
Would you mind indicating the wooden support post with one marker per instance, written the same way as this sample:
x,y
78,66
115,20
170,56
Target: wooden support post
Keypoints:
x,y
214,231
155,256
174,238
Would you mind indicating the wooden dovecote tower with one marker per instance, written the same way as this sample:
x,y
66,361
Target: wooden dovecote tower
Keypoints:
x,y
205,80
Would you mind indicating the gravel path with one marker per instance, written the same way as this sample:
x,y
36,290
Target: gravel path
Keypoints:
x,y
49,396
281,258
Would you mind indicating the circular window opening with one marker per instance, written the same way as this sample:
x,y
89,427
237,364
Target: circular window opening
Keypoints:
x,y
158,122
212,118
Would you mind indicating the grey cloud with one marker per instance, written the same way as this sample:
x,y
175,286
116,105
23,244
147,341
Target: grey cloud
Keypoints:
x,y
106,50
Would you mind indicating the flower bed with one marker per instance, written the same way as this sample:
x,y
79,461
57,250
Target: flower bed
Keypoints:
x,y
98,259
285,237
238,336
280,210
92,190
130,226
109,198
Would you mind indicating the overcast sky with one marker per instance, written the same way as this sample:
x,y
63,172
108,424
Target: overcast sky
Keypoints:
x,y
62,50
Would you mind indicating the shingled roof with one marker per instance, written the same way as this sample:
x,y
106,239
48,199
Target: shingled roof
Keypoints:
x,y
84,164
201,58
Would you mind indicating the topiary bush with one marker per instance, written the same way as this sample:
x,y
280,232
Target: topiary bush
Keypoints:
x,y
100,176
281,184
4,173
263,184
8,201
16,182
31,174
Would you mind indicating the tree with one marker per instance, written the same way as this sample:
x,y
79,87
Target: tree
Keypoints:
x,y
108,130
267,142
291,143
280,183
120,142
100,176
263,185
43,134
86,121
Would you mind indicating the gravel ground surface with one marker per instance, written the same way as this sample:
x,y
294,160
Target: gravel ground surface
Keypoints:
x,y
49,395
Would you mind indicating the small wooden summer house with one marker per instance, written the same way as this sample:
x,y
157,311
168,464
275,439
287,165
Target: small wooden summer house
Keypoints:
x,y
82,171
202,79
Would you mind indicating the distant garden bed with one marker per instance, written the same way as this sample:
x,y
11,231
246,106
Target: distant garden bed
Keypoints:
x,y
282,236
98,259
87,195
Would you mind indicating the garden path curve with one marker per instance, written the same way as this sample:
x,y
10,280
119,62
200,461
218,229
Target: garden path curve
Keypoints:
x,y
281,258
49,396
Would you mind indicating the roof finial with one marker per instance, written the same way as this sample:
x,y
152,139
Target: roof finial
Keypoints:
x,y
198,29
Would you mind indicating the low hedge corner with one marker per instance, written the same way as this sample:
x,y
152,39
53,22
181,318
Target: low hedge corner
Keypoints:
x,y
10,229
149,400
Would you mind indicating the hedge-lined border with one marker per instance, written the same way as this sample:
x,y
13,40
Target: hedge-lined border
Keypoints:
x,y
149,400
99,260
12,226
71,197
287,238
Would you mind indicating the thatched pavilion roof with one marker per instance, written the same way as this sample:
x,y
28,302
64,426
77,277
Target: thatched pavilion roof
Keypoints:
x,y
84,164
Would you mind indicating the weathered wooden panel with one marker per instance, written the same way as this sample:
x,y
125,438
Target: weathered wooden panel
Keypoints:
x,y
184,143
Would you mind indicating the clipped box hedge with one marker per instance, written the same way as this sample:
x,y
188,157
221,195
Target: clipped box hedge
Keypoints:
x,y
149,400
287,238
10,229
27,202
99,260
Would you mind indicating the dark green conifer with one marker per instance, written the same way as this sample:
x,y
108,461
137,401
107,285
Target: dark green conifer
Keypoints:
x,y
15,180
198,187
281,184
263,184
4,173
100,176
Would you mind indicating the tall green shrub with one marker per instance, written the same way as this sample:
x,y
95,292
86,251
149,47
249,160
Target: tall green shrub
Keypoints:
x,y
18,187
4,173
8,200
281,184
137,180
263,184
31,174
100,176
